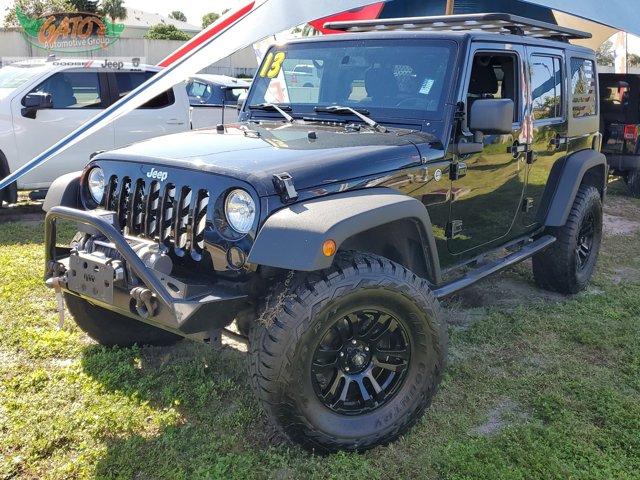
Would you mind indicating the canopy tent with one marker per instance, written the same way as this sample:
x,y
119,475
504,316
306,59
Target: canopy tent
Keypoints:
x,y
617,14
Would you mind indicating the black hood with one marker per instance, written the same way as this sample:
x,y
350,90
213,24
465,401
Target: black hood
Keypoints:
x,y
254,153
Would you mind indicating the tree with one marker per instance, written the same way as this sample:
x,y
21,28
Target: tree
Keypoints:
x,y
178,15
606,54
89,6
209,18
633,59
114,9
162,31
35,9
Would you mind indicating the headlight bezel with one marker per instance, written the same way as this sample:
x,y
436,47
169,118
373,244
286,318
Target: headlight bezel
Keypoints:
x,y
247,225
90,188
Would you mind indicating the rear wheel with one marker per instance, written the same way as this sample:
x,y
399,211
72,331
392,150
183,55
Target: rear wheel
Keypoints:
x,y
633,183
112,329
568,264
350,358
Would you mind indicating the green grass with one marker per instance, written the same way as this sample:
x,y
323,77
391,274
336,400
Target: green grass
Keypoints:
x,y
536,388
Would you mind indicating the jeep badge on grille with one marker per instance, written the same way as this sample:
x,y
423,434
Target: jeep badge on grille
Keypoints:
x,y
157,174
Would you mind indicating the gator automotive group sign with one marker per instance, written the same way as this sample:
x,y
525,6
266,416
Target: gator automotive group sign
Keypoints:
x,y
69,32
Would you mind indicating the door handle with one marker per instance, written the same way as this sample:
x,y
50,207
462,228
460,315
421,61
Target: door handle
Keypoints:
x,y
174,121
516,149
557,142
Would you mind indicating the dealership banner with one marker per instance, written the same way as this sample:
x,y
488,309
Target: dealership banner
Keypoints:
x,y
235,30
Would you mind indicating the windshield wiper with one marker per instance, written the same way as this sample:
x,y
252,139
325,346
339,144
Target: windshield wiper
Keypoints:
x,y
361,114
272,106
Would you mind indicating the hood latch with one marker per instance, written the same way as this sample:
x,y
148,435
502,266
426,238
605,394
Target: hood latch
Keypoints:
x,y
284,186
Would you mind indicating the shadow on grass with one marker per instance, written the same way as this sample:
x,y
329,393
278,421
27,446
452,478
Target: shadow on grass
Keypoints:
x,y
221,428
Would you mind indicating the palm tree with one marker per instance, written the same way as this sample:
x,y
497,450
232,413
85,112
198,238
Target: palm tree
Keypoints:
x,y
114,9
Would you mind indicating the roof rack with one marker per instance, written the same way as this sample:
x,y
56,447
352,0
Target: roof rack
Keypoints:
x,y
485,22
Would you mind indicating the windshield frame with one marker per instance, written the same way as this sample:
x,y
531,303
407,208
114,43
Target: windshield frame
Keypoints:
x,y
379,114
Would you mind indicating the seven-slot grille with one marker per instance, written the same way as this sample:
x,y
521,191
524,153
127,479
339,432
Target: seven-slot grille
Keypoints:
x,y
175,216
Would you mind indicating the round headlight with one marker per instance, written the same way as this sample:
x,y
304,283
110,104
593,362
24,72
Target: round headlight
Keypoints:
x,y
240,210
96,184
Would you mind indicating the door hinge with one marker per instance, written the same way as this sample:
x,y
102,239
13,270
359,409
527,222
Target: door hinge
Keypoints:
x,y
453,229
458,170
527,204
283,182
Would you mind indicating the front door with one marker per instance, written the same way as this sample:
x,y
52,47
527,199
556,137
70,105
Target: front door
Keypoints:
x,y
77,97
486,198
549,120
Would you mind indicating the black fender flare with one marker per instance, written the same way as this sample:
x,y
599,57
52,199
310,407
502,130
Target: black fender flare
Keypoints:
x,y
572,175
64,192
292,237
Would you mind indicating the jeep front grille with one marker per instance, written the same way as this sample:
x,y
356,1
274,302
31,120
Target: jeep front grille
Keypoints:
x,y
175,216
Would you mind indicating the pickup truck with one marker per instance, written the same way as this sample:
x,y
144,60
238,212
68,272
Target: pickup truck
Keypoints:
x,y
43,100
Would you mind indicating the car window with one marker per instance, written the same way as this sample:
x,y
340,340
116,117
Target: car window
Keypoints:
x,y
70,90
583,88
546,87
14,77
494,75
232,94
129,81
407,78
199,92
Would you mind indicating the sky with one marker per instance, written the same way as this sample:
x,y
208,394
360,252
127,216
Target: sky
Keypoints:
x,y
195,9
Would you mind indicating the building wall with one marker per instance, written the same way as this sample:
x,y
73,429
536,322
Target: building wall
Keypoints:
x,y
13,44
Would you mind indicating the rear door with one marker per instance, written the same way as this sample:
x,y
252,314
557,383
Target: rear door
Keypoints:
x,y
548,117
167,113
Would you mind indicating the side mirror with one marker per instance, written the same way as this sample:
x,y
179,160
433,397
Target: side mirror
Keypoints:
x,y
34,102
492,116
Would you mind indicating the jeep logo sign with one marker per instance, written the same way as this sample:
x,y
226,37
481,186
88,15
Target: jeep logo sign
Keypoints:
x,y
157,175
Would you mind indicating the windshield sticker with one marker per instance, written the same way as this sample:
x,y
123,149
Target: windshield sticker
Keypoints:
x,y
426,86
272,65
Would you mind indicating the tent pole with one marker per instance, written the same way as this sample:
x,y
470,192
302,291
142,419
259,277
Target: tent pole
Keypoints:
x,y
449,7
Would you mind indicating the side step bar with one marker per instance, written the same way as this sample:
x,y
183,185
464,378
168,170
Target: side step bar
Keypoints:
x,y
495,266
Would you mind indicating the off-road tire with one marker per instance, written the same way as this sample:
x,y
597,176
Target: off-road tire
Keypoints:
x,y
633,183
114,330
556,268
291,325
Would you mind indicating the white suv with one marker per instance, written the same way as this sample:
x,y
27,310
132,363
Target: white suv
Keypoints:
x,y
43,101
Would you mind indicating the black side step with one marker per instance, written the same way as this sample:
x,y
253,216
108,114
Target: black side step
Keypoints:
x,y
493,267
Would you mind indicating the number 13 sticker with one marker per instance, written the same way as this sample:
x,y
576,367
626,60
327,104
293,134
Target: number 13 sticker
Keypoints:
x,y
272,64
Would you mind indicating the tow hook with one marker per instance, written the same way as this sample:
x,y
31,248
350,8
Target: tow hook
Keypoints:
x,y
57,283
145,302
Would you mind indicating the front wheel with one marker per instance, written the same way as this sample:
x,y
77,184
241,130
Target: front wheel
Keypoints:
x,y
349,358
115,330
567,265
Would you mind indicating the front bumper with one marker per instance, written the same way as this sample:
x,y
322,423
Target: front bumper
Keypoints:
x,y
129,287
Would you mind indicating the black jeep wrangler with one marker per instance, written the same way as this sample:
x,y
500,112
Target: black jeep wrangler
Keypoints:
x,y
330,220
620,124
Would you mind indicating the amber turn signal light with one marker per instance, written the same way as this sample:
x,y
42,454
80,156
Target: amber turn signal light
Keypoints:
x,y
329,248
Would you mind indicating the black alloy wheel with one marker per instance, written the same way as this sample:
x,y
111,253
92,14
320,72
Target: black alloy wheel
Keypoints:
x,y
361,362
584,245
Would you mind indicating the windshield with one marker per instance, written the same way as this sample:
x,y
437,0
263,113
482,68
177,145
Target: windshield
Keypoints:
x,y
14,77
403,78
